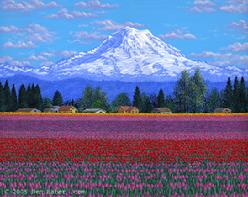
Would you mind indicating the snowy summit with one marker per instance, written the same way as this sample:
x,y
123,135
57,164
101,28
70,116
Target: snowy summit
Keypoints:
x,y
133,55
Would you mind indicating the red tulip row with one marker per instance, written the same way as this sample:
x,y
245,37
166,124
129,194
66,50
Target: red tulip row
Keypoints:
x,y
123,150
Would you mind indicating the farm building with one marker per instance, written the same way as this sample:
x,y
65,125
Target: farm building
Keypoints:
x,y
128,109
54,109
163,110
94,110
222,110
31,110
67,109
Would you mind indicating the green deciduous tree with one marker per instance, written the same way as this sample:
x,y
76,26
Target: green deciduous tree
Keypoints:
x,y
87,99
213,100
46,103
121,99
182,92
146,105
198,92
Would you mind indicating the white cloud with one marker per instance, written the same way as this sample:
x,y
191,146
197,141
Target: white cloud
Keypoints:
x,y
39,33
178,34
203,6
235,6
27,36
12,5
230,6
238,47
240,25
12,62
94,4
67,53
9,29
19,44
65,14
222,59
5,59
88,36
110,25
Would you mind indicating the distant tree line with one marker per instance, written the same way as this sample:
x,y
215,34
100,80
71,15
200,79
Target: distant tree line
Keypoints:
x,y
27,97
190,96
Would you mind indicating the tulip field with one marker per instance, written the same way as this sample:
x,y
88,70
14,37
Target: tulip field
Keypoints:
x,y
123,155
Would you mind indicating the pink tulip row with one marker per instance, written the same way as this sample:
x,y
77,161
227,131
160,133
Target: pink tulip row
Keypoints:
x,y
125,179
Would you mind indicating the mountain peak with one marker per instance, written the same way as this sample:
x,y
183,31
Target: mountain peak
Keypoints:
x,y
132,55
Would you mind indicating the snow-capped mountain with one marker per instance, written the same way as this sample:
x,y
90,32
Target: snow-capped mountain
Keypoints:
x,y
132,55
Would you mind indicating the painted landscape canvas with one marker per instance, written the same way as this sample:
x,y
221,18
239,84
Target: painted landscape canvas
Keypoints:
x,y
123,98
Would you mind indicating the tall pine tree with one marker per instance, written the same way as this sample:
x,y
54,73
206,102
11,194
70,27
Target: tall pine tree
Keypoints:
x,y
13,99
37,97
57,99
7,99
22,99
228,94
2,104
137,98
236,96
243,96
161,99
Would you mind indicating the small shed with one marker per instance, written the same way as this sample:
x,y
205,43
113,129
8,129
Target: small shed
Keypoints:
x,y
67,109
94,110
163,110
128,109
222,110
54,109
28,110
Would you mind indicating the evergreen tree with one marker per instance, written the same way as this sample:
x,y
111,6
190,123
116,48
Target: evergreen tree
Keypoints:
x,y
228,94
198,92
161,99
22,100
57,99
7,99
13,99
121,99
213,101
243,96
236,96
154,100
170,103
87,99
137,98
146,105
2,104
183,93
29,96
32,101
37,97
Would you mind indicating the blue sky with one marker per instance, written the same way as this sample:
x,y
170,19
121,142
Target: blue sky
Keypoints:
x,y
36,32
